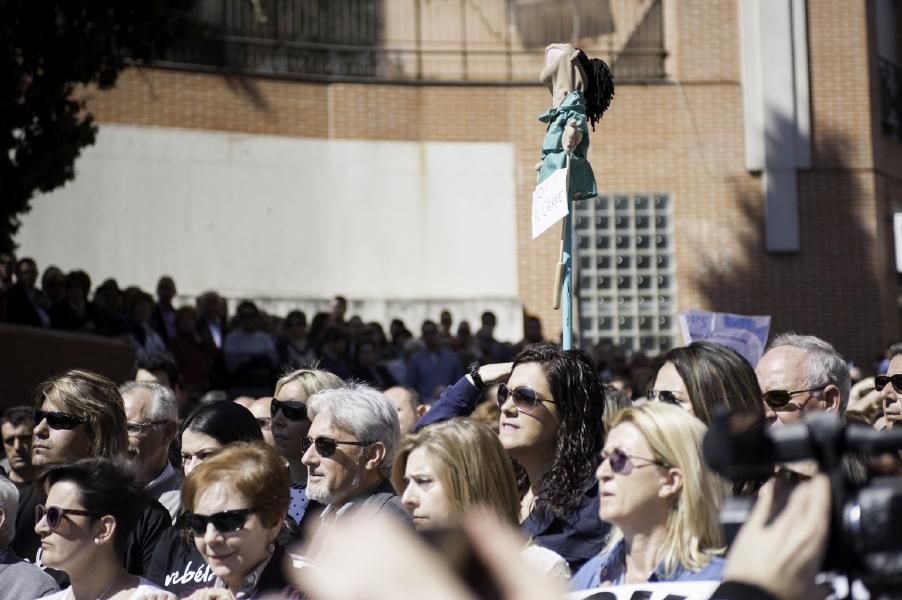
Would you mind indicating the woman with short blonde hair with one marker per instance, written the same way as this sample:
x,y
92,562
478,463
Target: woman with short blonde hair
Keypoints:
x,y
662,499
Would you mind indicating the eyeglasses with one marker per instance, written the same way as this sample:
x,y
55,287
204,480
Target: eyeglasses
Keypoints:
x,y
663,396
58,420
55,514
622,462
881,380
227,521
325,446
135,427
525,398
780,398
291,412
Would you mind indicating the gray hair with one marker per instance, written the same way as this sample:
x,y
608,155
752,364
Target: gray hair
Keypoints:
x,y
163,406
362,411
9,504
825,365
894,351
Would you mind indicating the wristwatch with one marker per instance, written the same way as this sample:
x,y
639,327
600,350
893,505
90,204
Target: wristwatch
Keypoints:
x,y
473,372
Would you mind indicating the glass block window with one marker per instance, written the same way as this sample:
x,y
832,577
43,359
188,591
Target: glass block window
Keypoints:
x,y
624,283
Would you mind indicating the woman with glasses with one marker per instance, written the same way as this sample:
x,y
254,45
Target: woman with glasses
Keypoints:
x,y
290,426
92,505
452,467
661,498
551,425
704,376
235,505
176,565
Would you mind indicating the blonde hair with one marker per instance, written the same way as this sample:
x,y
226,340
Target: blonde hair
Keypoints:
x,y
94,398
471,464
312,380
693,534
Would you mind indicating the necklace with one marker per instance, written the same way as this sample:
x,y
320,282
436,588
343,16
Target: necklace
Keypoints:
x,y
102,594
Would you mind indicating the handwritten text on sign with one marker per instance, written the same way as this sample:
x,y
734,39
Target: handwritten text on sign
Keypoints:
x,y
549,202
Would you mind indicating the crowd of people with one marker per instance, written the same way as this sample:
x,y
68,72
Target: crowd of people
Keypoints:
x,y
341,464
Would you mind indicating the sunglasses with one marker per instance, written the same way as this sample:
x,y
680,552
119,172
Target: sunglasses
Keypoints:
x,y
227,521
291,412
325,446
881,380
55,514
622,462
663,396
135,427
525,398
58,420
780,398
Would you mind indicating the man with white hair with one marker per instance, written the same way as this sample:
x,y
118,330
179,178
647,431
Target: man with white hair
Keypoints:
x,y
799,374
152,413
18,578
349,451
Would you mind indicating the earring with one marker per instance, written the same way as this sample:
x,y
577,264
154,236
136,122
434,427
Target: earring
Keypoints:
x,y
272,548
97,540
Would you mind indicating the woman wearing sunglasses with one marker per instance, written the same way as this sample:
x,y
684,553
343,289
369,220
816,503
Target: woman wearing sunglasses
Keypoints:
x,y
177,566
551,425
704,376
663,501
452,467
92,505
235,504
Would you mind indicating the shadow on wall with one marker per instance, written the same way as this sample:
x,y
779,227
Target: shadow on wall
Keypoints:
x,y
834,286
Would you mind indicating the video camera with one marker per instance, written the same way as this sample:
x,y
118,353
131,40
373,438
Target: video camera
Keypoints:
x,y
866,516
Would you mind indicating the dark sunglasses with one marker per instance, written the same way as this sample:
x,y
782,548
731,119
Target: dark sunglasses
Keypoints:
x,y
292,413
663,396
58,420
55,514
881,380
325,446
780,398
622,462
227,521
525,398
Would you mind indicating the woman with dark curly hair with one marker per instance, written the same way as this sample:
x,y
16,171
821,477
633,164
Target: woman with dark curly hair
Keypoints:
x,y
551,425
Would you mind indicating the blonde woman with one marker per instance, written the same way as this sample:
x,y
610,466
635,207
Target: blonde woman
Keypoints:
x,y
450,467
663,501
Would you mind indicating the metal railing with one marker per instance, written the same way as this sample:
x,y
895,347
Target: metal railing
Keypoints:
x,y
890,98
491,41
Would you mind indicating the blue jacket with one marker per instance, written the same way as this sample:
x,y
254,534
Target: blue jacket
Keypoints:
x,y
611,567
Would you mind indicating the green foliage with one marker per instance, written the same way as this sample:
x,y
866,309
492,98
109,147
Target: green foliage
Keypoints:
x,y
52,48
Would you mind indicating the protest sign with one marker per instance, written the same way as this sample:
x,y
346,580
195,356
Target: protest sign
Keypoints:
x,y
744,334
549,202
674,590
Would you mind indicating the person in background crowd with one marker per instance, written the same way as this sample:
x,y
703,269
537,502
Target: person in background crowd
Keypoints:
x,y
551,424
7,269
160,368
337,309
145,340
80,414
25,303
662,499
408,404
74,312
108,300
250,355
802,373
450,468
162,318
177,566
532,333
92,507
348,452
261,408
334,351
16,426
293,346
890,388
467,350
433,366
53,284
446,337
236,503
704,376
211,322
367,368
194,354
614,401
152,425
18,578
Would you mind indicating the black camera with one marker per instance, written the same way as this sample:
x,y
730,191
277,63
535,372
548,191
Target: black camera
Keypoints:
x,y
866,516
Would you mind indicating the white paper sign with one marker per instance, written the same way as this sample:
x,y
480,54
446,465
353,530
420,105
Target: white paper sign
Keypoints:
x,y
746,335
549,202
682,590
